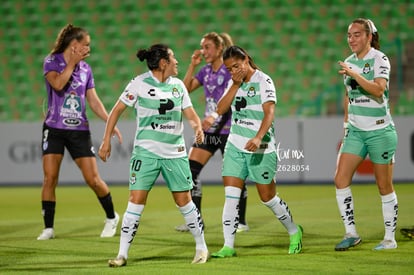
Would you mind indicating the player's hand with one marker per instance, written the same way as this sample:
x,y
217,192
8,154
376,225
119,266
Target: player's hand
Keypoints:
x,y
118,134
207,122
104,151
78,54
253,144
238,76
199,136
197,57
345,70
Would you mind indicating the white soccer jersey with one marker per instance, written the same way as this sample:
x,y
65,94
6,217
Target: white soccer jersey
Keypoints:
x,y
247,112
365,111
158,107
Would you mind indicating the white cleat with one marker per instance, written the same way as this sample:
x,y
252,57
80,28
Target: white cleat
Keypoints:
x,y
47,234
386,244
110,227
117,262
200,257
182,228
242,228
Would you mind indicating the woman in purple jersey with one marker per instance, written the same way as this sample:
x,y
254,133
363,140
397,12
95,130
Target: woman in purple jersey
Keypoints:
x,y
214,78
69,84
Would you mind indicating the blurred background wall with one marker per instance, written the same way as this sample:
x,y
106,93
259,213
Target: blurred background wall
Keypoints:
x,y
297,42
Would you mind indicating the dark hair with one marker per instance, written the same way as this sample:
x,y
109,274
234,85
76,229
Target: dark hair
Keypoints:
x,y
238,53
153,55
223,39
66,35
368,30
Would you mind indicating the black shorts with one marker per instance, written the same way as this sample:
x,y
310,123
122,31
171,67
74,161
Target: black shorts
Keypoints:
x,y
78,143
213,142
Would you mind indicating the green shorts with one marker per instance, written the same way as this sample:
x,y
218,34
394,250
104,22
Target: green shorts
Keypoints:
x,y
144,171
260,168
380,144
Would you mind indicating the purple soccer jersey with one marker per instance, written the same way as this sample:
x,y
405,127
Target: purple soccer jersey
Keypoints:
x,y
214,84
67,108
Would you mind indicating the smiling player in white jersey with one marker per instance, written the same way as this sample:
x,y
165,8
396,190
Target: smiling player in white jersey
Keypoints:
x,y
369,130
160,101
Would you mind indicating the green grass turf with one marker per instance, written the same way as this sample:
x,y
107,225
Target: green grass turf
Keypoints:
x,y
159,249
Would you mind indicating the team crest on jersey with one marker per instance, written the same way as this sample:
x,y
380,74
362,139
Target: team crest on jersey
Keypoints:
x,y
366,69
83,77
175,93
251,92
220,79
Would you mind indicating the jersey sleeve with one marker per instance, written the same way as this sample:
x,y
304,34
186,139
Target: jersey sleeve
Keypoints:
x,y
50,64
186,98
130,94
269,90
90,80
382,67
200,76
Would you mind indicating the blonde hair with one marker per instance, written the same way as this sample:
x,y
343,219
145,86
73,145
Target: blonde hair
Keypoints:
x,y
222,40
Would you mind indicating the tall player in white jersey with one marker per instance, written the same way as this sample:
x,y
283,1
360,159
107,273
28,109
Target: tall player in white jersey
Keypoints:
x,y
160,100
250,149
369,130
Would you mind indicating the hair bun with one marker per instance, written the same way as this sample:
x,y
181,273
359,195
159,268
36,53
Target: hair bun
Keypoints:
x,y
142,54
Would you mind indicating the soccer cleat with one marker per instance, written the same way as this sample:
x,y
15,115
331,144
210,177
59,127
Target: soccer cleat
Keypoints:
x,y
200,257
225,252
182,228
110,227
347,242
242,228
386,244
47,234
407,232
117,262
295,246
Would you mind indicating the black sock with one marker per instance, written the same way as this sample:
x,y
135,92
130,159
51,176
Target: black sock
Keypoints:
x,y
242,205
197,202
108,206
196,192
48,212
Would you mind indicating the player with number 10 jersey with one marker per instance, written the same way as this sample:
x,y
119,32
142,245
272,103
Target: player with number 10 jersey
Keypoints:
x,y
158,107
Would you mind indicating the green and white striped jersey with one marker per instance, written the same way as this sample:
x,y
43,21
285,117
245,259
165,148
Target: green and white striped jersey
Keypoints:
x,y
158,109
247,112
365,111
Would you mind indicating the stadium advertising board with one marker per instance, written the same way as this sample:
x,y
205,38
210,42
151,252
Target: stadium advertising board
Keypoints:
x,y
307,151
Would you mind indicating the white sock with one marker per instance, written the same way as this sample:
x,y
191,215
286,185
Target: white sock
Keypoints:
x,y
230,217
130,224
346,209
195,223
390,213
281,211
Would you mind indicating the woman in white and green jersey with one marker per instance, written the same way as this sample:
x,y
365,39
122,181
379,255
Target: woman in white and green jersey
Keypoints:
x,y
160,101
369,130
250,148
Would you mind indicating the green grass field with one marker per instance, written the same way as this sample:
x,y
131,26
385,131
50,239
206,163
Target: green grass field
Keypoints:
x,y
159,249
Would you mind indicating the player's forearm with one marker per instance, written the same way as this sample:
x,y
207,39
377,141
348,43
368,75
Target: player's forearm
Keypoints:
x,y
225,102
